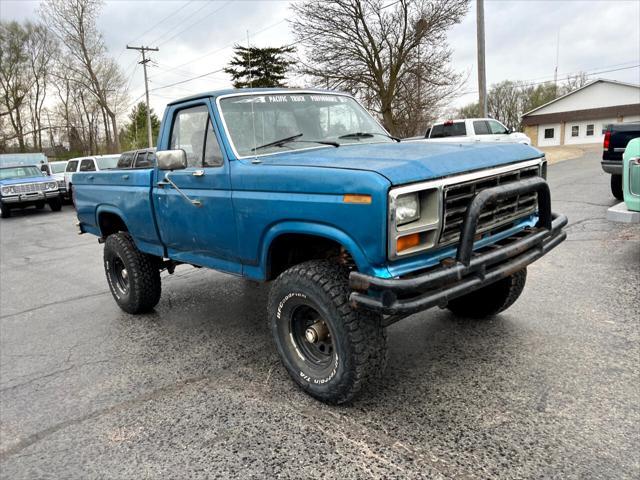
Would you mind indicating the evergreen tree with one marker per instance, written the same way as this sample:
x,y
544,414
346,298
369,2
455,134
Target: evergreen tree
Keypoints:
x,y
134,133
259,67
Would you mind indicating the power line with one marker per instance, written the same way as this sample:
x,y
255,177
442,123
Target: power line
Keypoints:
x,y
217,50
171,15
187,80
196,22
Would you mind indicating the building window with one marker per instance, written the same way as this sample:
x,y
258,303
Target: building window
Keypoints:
x,y
575,131
548,133
590,130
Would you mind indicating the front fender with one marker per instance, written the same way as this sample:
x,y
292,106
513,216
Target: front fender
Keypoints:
x,y
329,232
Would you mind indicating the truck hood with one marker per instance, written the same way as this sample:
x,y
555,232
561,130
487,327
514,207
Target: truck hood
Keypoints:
x,y
15,181
408,162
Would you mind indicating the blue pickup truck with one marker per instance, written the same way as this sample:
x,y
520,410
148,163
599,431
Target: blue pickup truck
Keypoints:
x,y
355,229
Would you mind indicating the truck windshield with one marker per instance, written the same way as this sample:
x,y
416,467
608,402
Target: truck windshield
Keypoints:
x,y
19,172
107,162
254,120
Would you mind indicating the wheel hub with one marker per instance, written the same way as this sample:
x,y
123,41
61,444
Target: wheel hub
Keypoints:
x,y
318,332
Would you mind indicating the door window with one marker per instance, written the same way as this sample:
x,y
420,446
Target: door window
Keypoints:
x,y
449,129
125,160
481,127
497,128
87,166
72,166
189,133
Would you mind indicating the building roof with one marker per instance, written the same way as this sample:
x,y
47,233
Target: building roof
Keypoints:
x,y
599,80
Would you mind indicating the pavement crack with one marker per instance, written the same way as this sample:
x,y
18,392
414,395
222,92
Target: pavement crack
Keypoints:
x,y
57,302
47,432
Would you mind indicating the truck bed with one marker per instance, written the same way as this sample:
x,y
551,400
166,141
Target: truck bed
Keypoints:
x,y
126,193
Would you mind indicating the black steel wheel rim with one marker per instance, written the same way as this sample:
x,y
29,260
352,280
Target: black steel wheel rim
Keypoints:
x,y
318,354
120,274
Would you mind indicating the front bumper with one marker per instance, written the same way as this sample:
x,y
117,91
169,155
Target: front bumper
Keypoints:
x,y
613,167
30,198
470,270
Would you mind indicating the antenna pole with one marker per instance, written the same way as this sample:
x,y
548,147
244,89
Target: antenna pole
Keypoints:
x,y
144,62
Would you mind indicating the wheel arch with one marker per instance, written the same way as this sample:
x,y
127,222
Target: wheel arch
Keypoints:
x,y
308,242
110,220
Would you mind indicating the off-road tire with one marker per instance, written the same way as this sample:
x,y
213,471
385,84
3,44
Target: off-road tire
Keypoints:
x,y
490,300
55,204
5,211
616,187
358,339
143,286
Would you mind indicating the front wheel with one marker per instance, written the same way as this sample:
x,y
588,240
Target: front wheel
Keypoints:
x,y
5,210
616,187
133,276
328,348
55,204
490,300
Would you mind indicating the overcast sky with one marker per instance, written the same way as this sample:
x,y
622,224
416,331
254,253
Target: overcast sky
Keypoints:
x,y
196,37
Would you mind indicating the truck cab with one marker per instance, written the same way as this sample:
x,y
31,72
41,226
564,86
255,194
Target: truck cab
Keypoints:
x,y
354,229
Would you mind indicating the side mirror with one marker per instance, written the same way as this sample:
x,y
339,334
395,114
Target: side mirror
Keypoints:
x,y
171,159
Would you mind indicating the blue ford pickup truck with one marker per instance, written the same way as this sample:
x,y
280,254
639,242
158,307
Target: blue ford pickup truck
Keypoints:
x,y
355,229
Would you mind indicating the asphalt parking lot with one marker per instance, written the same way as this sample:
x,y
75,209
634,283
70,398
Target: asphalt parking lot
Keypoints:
x,y
549,389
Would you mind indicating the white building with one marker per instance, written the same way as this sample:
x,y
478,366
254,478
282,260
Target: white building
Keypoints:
x,y
582,115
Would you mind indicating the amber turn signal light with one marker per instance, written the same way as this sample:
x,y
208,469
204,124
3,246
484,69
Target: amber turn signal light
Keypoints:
x,y
408,241
353,198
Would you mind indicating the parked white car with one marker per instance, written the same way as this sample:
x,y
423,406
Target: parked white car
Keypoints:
x,y
56,170
473,130
87,164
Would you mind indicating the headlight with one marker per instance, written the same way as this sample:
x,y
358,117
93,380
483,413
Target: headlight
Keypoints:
x,y
8,190
407,208
51,185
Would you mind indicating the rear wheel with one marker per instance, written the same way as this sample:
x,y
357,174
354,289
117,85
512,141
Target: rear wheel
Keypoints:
x,y
616,187
330,350
492,299
133,276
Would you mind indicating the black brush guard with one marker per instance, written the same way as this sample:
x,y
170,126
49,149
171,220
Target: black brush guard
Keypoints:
x,y
469,271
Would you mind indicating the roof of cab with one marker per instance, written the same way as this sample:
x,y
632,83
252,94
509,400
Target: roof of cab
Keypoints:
x,y
231,91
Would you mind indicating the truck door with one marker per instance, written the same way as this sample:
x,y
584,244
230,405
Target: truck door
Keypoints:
x,y
498,131
201,229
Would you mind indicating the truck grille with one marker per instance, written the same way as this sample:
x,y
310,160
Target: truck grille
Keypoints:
x,y
457,198
28,188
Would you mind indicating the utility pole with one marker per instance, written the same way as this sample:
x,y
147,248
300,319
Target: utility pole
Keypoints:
x,y
482,74
555,71
144,62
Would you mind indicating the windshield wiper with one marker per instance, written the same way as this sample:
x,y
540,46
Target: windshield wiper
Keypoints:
x,y
294,138
368,135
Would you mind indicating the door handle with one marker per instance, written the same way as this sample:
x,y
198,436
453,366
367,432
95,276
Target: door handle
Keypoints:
x,y
90,177
198,173
125,177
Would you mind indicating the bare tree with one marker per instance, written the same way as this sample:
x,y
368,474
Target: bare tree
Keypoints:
x,y
74,22
41,50
14,82
394,57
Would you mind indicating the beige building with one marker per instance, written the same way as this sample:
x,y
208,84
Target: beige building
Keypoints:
x,y
582,115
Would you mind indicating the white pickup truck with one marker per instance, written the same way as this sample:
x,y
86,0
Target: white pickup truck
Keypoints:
x,y
473,130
